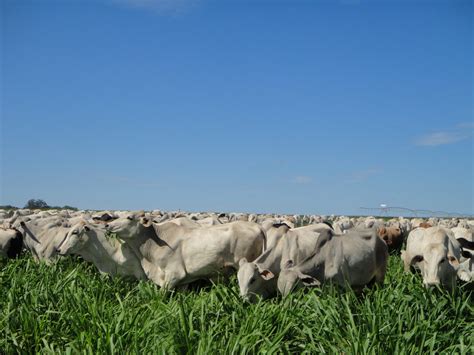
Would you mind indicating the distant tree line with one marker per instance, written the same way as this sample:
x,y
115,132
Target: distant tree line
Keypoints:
x,y
39,204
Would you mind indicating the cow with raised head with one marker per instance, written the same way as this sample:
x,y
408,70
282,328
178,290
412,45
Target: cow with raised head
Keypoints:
x,y
107,253
173,255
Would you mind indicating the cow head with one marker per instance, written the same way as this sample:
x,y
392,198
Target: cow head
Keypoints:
x,y
291,278
392,236
438,265
75,239
252,280
129,226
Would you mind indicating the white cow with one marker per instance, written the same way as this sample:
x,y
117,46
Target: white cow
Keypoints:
x,y
260,276
108,254
43,235
172,255
356,259
436,252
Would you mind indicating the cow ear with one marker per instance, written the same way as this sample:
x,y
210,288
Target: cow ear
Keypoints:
x,y
466,254
453,261
242,261
267,274
309,280
416,259
289,263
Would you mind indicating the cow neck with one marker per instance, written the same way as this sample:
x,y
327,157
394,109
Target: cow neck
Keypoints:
x,y
314,264
101,253
163,234
98,247
29,233
271,258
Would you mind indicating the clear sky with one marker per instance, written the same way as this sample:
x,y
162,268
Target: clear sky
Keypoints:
x,y
258,106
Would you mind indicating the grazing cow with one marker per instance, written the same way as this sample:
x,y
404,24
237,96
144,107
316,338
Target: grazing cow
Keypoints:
x,y
356,259
107,253
425,225
172,255
436,253
260,276
393,236
11,243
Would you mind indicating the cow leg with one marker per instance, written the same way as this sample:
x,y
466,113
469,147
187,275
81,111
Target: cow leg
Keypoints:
x,y
406,260
379,276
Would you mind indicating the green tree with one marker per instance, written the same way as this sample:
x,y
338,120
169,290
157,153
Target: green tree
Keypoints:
x,y
36,203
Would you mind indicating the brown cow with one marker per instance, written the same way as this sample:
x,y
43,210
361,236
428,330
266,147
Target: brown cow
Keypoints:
x,y
392,236
425,225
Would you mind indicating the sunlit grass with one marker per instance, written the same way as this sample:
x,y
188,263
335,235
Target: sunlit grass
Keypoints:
x,y
68,306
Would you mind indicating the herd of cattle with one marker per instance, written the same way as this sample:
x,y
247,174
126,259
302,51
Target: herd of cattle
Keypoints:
x,y
270,253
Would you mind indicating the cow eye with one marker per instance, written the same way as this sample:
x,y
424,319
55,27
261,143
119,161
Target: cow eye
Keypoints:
x,y
130,218
252,280
443,260
75,231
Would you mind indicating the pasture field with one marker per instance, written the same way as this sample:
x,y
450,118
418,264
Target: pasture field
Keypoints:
x,y
69,307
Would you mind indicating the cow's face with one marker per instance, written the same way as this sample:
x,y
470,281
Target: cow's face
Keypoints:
x,y
291,278
75,239
126,227
288,280
252,280
438,266
390,235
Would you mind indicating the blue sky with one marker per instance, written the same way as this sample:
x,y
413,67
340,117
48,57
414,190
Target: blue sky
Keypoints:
x,y
259,106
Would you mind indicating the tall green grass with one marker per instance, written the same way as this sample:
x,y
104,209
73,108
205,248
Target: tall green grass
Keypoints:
x,y
69,308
